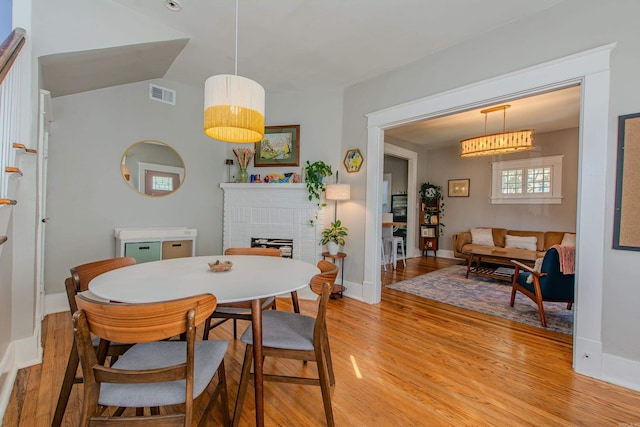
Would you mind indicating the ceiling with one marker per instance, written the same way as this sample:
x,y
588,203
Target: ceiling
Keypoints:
x,y
285,45
546,112
291,45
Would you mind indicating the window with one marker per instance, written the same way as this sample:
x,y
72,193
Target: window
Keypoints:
x,y
527,181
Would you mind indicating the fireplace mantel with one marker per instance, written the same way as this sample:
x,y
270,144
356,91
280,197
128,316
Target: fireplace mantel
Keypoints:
x,y
262,186
272,211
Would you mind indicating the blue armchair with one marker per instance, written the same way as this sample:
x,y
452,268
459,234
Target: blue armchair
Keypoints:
x,y
550,284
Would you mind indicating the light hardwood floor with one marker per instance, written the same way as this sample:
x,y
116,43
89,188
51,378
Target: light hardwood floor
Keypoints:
x,y
407,361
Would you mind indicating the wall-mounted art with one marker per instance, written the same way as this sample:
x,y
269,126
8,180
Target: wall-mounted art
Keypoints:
x,y
280,146
459,187
353,160
626,228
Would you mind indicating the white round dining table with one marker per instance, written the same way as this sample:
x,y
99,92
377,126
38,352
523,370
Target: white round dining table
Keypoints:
x,y
251,278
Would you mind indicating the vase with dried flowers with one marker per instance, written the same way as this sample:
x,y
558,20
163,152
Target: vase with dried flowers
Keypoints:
x,y
244,156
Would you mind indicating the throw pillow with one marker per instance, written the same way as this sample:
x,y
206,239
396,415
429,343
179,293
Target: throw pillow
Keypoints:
x,y
521,242
481,236
569,239
537,268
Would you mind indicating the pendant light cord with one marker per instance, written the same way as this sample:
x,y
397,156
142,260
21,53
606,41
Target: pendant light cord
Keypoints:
x,y
236,62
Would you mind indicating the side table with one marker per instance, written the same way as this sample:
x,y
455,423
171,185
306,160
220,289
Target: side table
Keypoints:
x,y
337,289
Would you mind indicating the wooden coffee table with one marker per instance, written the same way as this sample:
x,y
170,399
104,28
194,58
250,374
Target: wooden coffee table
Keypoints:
x,y
477,254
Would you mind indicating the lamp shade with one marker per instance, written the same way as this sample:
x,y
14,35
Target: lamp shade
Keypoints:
x,y
497,143
338,192
233,109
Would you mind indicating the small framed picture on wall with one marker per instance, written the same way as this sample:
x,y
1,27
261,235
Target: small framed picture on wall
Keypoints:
x,y
459,187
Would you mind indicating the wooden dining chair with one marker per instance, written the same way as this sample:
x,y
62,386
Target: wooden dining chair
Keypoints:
x,y
81,275
152,373
242,310
295,336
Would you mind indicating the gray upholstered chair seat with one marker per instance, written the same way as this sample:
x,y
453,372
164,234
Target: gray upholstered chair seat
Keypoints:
x,y
208,355
282,329
239,310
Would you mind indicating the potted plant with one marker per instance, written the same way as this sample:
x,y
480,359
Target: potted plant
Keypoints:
x,y
431,196
334,236
314,175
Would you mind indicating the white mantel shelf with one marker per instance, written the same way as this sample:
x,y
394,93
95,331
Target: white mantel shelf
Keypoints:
x,y
263,186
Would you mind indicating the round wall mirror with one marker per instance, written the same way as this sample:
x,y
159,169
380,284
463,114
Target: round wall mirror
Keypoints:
x,y
152,168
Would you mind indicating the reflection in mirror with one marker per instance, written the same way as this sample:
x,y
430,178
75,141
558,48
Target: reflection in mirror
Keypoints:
x,y
152,168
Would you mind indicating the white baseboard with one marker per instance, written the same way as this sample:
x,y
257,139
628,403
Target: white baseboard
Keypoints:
x,y
19,354
621,371
353,290
55,303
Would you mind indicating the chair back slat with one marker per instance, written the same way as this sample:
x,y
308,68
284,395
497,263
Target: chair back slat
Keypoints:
x,y
253,251
144,322
108,375
83,274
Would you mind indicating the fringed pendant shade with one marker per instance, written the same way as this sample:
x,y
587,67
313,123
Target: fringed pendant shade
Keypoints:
x,y
233,109
233,106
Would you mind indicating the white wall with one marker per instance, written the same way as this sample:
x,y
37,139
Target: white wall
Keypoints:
x,y
87,196
462,213
571,27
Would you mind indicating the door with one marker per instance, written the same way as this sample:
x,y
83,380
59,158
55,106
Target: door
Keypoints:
x,y
45,116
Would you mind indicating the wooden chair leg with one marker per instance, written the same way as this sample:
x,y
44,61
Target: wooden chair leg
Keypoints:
x,y
235,329
325,388
67,384
294,302
207,327
219,390
242,386
569,305
155,410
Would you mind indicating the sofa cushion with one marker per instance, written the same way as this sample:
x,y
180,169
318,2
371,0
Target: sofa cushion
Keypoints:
x,y
569,239
521,242
537,234
482,236
552,238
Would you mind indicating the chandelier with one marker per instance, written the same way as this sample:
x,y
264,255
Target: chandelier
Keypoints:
x,y
497,143
233,106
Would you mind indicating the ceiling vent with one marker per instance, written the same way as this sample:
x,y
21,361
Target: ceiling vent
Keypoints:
x,y
162,94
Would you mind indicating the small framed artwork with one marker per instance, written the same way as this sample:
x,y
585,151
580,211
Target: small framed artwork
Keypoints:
x,y
353,160
280,146
459,188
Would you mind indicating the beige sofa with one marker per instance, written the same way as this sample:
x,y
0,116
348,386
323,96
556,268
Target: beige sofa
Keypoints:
x,y
498,253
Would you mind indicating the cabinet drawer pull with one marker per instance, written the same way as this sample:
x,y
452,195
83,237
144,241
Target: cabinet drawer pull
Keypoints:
x,y
143,247
176,245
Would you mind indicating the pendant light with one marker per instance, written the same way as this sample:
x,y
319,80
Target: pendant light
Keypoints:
x,y
233,106
497,143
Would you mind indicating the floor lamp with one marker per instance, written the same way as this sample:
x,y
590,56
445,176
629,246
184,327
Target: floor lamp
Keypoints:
x,y
337,192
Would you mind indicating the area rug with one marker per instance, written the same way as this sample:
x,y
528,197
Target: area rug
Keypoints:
x,y
485,295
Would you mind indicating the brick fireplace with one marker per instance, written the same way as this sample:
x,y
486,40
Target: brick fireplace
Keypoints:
x,y
272,211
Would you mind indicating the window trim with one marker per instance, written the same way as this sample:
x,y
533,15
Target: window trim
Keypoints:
x,y
555,197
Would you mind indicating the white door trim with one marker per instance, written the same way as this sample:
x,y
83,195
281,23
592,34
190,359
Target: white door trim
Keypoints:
x,y
412,191
591,70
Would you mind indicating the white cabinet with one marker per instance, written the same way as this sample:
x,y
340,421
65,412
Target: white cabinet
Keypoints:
x,y
152,244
